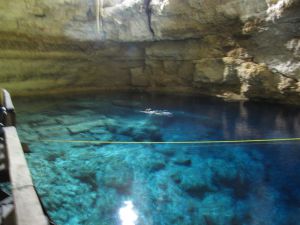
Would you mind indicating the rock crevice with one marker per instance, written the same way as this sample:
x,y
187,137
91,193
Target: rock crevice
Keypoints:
x,y
148,10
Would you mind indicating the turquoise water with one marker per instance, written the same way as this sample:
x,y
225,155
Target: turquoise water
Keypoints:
x,y
167,184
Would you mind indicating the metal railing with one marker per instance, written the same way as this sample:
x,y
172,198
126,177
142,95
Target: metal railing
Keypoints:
x,y
28,209
7,109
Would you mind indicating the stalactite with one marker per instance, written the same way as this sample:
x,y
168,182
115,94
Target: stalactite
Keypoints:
x,y
99,15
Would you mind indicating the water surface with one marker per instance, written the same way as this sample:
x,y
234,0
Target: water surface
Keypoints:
x,y
162,184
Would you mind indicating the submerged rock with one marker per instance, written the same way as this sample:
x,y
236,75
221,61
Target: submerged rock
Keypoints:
x,y
71,119
193,181
182,160
222,204
143,130
166,152
116,176
85,126
150,162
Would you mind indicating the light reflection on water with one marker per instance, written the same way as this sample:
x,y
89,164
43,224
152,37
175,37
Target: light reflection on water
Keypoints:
x,y
127,214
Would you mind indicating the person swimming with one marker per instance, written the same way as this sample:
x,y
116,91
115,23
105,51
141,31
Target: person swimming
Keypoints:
x,y
157,112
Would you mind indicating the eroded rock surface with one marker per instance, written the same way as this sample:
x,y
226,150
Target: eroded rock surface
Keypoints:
x,y
225,48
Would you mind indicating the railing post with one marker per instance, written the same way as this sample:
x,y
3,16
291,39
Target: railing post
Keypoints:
x,y
8,109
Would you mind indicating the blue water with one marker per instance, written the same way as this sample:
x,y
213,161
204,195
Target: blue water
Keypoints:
x,y
162,184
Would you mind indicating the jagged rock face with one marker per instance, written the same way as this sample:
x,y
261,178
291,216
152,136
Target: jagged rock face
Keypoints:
x,y
229,48
124,20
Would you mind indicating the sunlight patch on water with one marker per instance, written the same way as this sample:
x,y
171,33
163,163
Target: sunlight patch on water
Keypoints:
x,y
127,214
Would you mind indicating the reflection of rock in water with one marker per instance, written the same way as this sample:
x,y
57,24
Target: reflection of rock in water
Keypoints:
x,y
126,104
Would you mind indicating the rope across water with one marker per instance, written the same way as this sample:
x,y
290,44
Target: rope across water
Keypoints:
x,y
174,142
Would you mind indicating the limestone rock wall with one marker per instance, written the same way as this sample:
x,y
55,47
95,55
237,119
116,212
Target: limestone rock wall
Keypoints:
x,y
229,48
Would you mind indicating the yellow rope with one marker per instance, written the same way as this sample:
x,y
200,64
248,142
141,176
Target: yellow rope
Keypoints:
x,y
176,142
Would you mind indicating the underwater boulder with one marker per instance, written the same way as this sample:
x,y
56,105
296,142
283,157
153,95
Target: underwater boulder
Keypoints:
x,y
70,119
235,175
143,130
182,160
147,132
116,176
85,126
195,182
217,209
150,162
155,165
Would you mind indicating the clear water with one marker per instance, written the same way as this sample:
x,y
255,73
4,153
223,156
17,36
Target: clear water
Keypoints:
x,y
216,184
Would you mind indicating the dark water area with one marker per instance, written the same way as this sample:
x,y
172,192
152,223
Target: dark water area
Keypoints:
x,y
131,184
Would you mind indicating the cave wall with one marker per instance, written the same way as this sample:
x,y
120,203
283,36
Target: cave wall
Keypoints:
x,y
229,48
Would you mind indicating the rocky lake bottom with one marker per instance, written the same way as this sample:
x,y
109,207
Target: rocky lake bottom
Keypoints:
x,y
162,184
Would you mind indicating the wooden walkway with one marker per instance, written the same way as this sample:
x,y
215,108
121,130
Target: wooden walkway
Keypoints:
x,y
27,208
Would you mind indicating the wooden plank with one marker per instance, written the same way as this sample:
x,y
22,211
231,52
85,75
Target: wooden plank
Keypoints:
x,y
28,210
18,170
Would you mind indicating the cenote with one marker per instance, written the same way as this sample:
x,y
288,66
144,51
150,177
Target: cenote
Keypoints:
x,y
150,112
130,184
